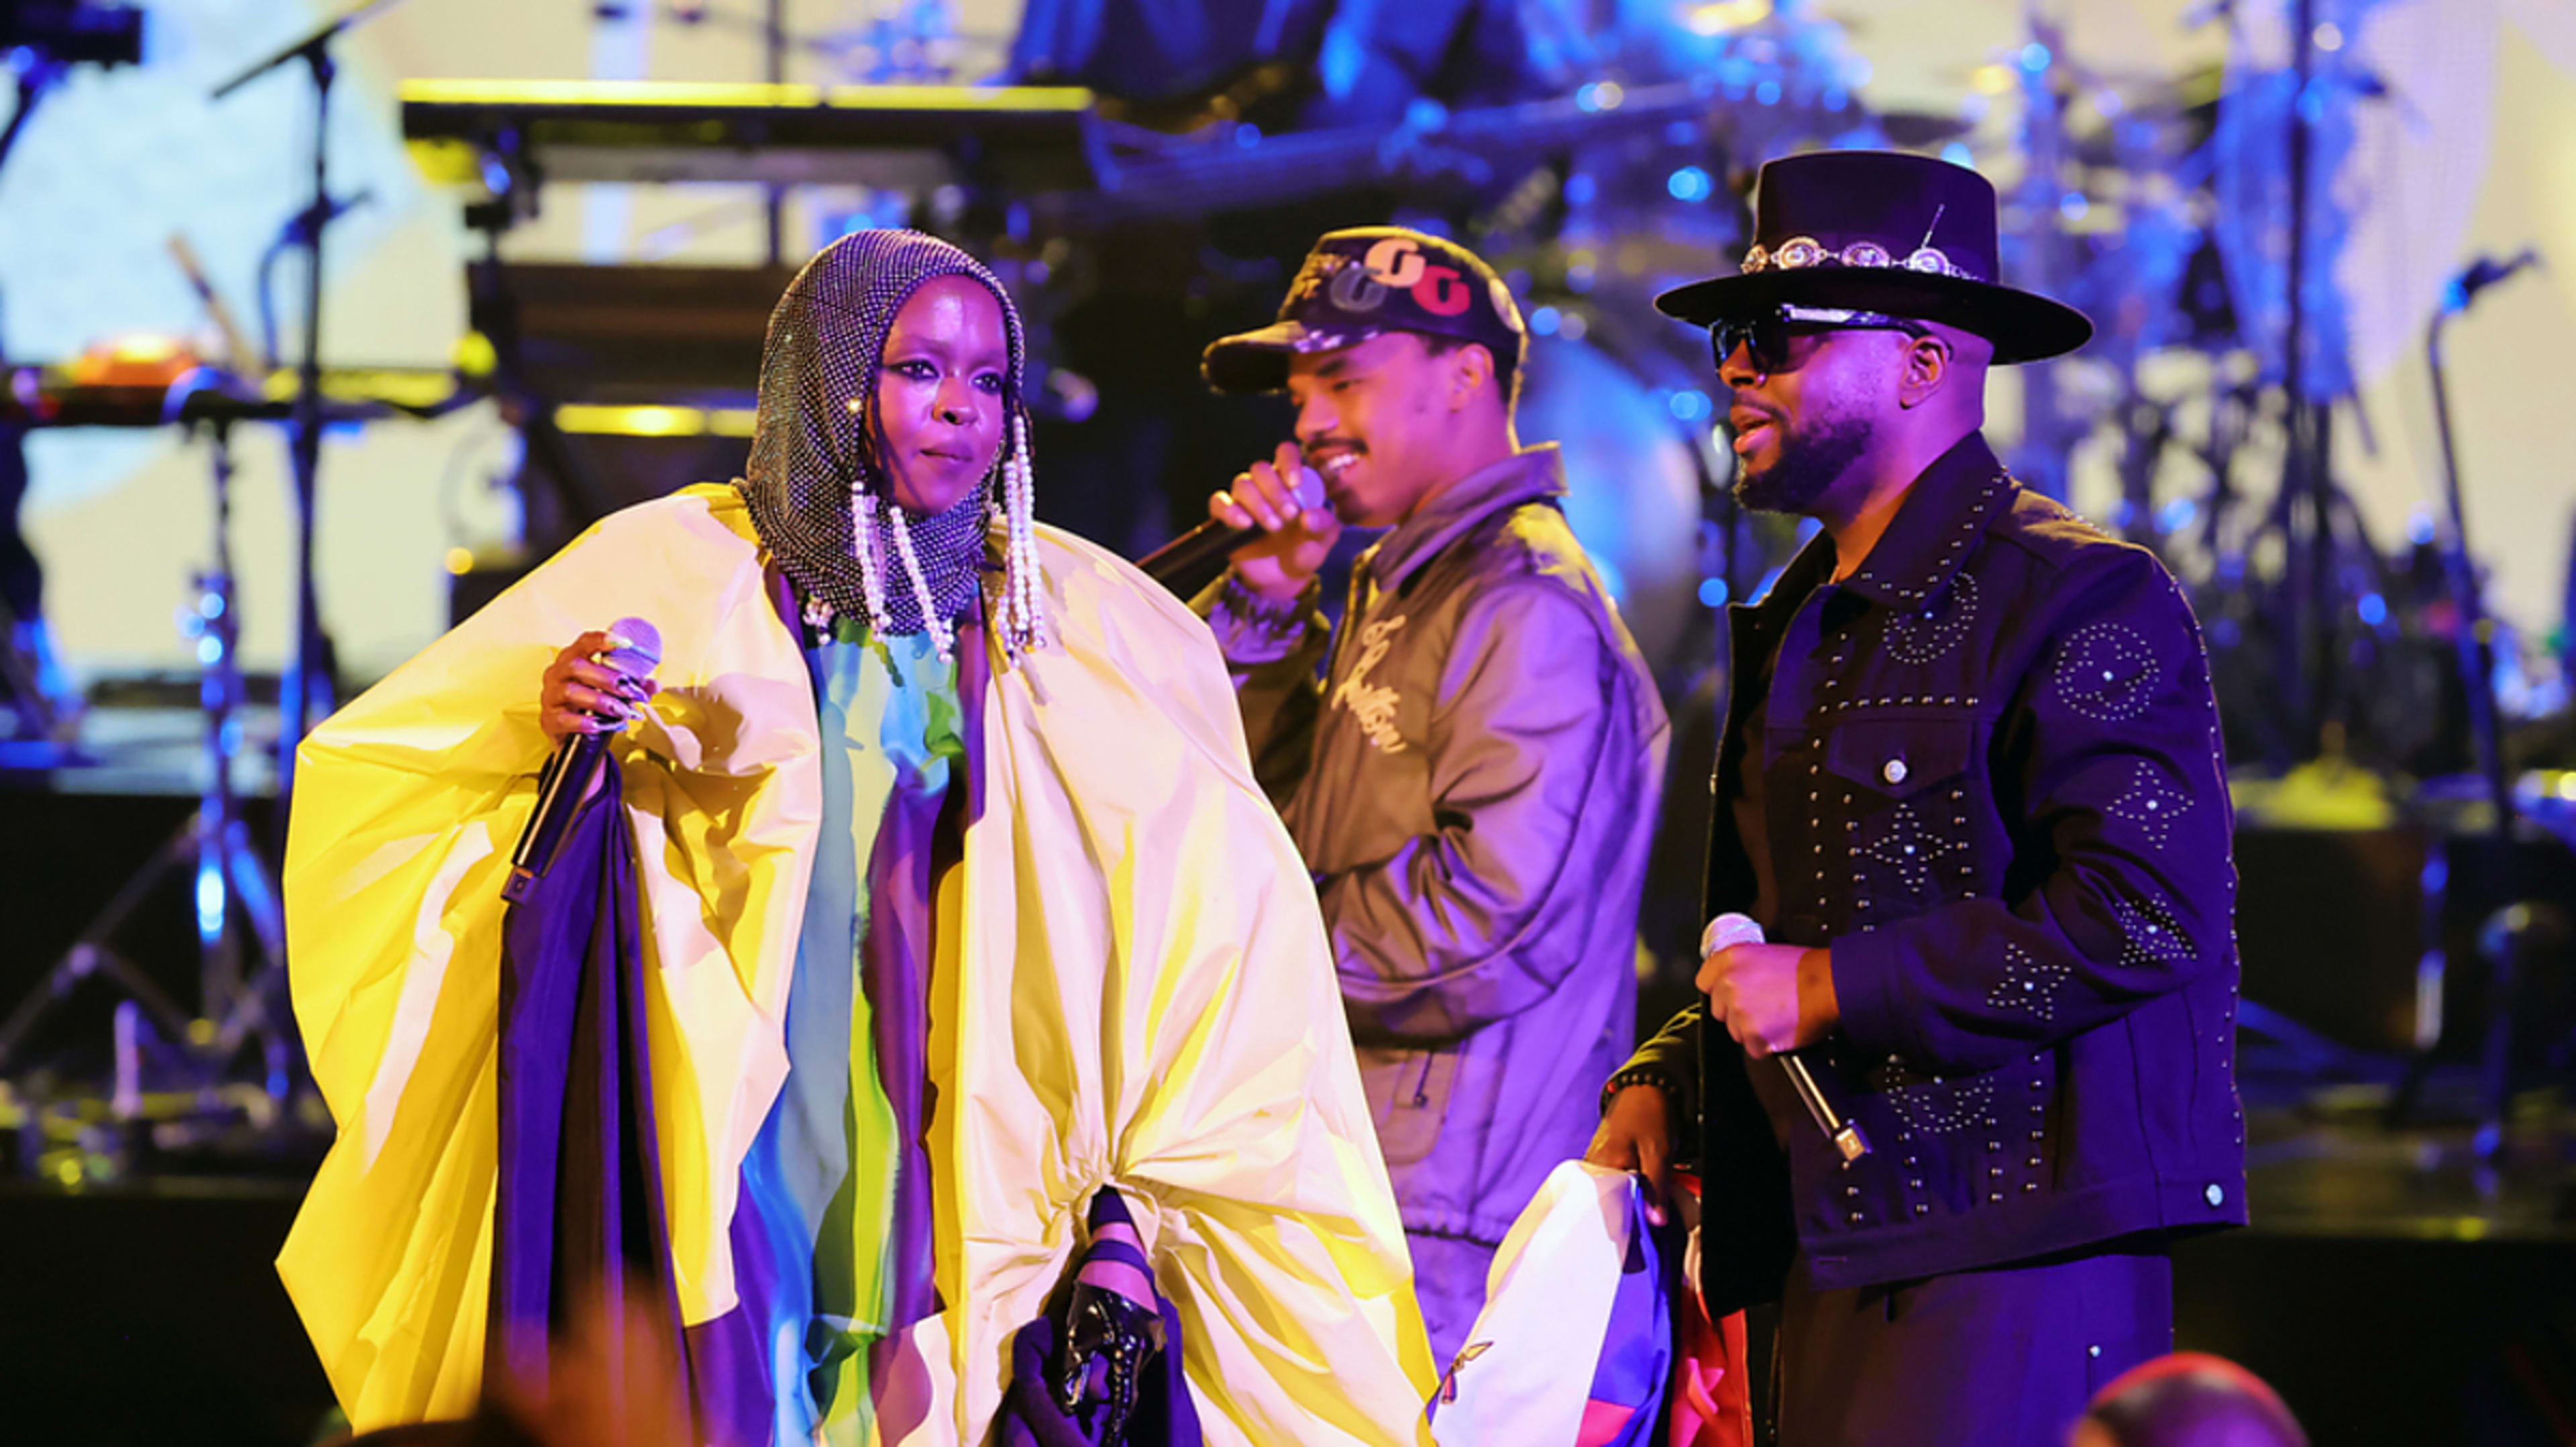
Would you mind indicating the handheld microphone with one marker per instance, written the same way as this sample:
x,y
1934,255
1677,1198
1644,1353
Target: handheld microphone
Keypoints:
x,y
1728,930
1195,558
635,648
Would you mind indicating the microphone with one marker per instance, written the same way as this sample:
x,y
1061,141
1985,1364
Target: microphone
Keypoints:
x,y
1728,930
2480,274
1195,558
635,648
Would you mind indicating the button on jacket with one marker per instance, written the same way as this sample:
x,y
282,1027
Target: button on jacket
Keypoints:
x,y
1473,783
1989,777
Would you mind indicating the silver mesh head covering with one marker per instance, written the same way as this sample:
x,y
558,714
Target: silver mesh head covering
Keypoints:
x,y
813,447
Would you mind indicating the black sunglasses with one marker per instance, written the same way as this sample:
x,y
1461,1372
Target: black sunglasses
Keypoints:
x,y
1766,336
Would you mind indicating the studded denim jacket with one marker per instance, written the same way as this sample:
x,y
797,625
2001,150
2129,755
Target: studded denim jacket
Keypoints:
x,y
1992,784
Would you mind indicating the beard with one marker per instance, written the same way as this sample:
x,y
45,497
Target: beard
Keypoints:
x,y
1812,458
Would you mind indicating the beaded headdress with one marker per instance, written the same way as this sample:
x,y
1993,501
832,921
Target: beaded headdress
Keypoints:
x,y
817,491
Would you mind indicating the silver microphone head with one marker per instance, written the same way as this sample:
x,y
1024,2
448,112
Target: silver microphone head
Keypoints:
x,y
634,647
1727,931
1309,492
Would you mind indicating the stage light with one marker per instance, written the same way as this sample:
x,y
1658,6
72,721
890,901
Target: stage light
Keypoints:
x,y
1599,96
2035,57
1712,592
1543,322
631,421
1957,154
1690,183
210,900
1728,15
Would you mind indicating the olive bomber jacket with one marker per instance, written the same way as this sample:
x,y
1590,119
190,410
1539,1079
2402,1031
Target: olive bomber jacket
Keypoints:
x,y
1473,782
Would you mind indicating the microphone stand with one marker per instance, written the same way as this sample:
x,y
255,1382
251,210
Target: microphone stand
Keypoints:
x,y
2477,667
308,674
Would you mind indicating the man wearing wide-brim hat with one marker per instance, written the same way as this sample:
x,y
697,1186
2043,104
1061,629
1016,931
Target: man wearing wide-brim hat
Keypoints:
x,y
1970,788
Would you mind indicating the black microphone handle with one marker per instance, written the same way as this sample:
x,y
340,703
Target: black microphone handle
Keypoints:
x,y
560,789
634,651
1196,558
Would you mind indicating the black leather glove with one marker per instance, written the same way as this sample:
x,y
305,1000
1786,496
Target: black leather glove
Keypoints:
x,y
1110,1341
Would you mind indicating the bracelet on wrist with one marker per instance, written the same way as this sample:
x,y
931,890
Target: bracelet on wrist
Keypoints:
x,y
1640,1075
1254,606
1281,620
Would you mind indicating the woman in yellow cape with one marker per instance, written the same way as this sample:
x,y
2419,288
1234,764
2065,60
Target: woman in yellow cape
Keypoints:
x,y
1118,980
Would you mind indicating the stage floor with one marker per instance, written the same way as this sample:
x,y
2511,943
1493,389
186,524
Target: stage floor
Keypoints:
x,y
2394,1289
2394,1286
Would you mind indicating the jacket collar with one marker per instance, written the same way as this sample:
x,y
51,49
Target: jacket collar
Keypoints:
x,y
1944,512
1935,527
1526,476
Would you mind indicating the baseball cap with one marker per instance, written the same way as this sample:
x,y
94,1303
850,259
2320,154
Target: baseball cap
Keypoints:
x,y
1365,282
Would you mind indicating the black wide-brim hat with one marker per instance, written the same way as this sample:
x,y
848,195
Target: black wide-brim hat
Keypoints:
x,y
1882,231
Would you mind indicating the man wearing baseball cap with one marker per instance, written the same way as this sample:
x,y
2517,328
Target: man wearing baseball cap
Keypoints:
x,y
1473,781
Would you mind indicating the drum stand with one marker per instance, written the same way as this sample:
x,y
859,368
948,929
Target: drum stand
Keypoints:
x,y
236,896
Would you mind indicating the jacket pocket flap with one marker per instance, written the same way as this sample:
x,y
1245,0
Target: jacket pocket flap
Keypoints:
x,y
1901,757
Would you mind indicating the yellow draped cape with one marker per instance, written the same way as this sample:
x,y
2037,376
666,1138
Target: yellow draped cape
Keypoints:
x,y
1132,988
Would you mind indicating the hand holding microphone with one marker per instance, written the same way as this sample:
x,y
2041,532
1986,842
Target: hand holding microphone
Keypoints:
x,y
1754,989
1273,524
591,688
594,688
